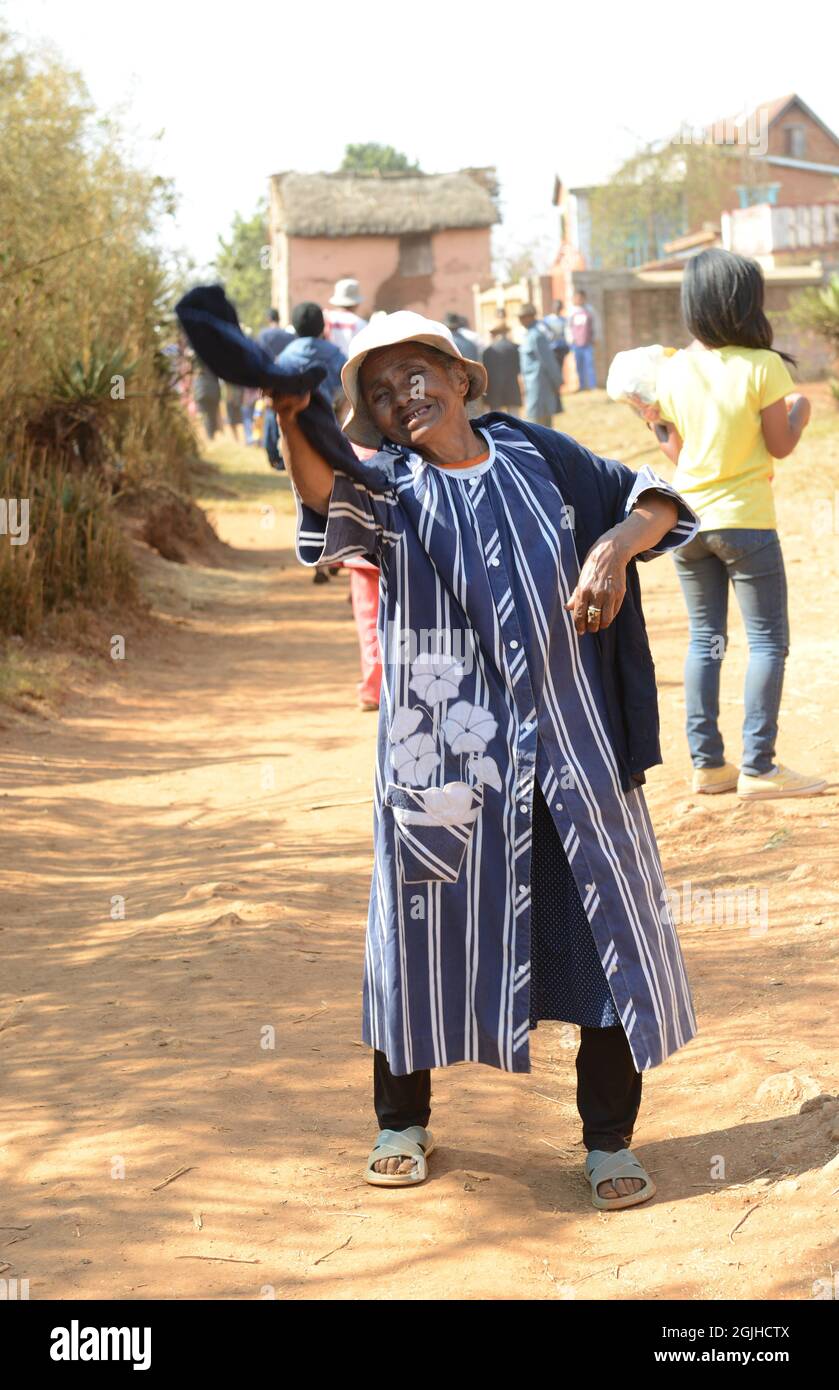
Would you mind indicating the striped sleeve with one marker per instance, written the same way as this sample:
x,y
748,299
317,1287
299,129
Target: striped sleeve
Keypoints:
x,y
359,522
687,522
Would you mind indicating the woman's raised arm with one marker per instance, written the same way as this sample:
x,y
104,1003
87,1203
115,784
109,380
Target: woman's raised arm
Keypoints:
x,y
310,474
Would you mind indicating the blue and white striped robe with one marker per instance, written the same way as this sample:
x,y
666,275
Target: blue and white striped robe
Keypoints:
x,y
487,684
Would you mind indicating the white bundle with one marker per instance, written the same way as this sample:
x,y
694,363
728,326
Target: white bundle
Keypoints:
x,y
633,374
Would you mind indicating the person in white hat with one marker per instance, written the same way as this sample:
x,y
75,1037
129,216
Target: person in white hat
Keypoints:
x,y
516,872
342,321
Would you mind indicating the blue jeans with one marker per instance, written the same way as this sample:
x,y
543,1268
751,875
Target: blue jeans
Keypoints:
x,y
584,362
753,562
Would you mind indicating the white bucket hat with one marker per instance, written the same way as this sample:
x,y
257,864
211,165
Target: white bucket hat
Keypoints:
x,y
403,326
346,294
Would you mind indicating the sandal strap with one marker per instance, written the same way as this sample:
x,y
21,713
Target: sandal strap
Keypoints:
x,y
622,1164
395,1143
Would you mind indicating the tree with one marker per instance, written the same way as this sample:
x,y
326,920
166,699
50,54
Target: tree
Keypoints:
x,y
243,265
515,260
660,192
376,159
818,311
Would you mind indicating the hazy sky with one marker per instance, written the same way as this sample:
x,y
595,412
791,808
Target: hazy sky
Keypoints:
x,y
240,91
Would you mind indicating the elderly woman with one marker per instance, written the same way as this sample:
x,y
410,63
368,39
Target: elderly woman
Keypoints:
x,y
516,872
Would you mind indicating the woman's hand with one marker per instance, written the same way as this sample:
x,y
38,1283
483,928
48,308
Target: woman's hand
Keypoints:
x,y
601,585
289,407
648,412
799,410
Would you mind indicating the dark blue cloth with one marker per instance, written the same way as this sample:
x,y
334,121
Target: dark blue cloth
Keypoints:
x,y
568,981
211,324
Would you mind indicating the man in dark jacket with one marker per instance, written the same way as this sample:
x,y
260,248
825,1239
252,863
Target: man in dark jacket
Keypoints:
x,y
501,359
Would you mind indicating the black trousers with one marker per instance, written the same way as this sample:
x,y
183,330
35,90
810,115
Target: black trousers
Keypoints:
x,y
608,1091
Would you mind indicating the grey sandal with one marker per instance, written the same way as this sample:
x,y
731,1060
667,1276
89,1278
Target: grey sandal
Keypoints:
x,y
415,1143
605,1167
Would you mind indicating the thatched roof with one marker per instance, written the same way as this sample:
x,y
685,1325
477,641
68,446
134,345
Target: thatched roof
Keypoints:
x,y
340,205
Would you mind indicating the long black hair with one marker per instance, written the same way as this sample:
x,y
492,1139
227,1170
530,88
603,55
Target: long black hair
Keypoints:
x,y
722,302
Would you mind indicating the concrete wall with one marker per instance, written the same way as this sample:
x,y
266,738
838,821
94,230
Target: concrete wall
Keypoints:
x,y
393,273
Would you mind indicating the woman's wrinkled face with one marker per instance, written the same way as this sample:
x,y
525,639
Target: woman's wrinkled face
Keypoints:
x,y
413,393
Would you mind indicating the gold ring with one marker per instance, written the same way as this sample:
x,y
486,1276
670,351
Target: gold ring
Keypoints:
x,y
593,614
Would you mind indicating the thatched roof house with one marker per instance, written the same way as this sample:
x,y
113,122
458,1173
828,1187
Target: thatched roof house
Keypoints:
x,y
342,205
418,241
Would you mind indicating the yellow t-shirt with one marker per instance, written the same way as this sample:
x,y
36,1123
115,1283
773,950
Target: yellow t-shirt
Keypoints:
x,y
714,397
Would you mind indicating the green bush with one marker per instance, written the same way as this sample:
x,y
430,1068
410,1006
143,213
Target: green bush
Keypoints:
x,y
87,398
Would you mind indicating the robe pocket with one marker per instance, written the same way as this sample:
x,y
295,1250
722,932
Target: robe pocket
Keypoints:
x,y
433,826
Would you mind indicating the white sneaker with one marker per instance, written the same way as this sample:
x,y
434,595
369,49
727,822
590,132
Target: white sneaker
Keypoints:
x,y
710,780
781,781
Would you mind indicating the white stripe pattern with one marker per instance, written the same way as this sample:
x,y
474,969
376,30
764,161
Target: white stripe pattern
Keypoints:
x,y
489,556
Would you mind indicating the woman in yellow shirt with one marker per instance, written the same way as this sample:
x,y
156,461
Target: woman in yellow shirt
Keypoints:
x,y
729,407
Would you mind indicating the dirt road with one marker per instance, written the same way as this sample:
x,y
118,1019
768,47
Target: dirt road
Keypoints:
x,y
185,862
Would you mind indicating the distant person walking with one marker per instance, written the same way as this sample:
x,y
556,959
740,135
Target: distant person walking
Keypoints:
x,y
310,348
233,399
272,337
342,319
250,396
539,370
501,360
581,327
730,409
558,324
206,393
465,344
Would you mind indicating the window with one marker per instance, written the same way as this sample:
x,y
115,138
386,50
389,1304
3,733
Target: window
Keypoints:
x,y
415,254
795,141
751,193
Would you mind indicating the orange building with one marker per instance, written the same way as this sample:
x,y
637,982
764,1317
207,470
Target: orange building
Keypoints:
x,y
413,241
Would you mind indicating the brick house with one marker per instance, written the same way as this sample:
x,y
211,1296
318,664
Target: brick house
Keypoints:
x,y
782,154
793,157
413,241
782,208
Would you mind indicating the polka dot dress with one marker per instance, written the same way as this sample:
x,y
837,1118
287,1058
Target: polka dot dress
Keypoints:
x,y
567,981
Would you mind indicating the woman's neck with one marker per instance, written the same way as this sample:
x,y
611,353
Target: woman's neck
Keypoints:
x,y
459,443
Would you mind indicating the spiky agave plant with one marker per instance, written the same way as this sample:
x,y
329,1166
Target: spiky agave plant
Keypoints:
x,y
818,310
96,377
74,423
